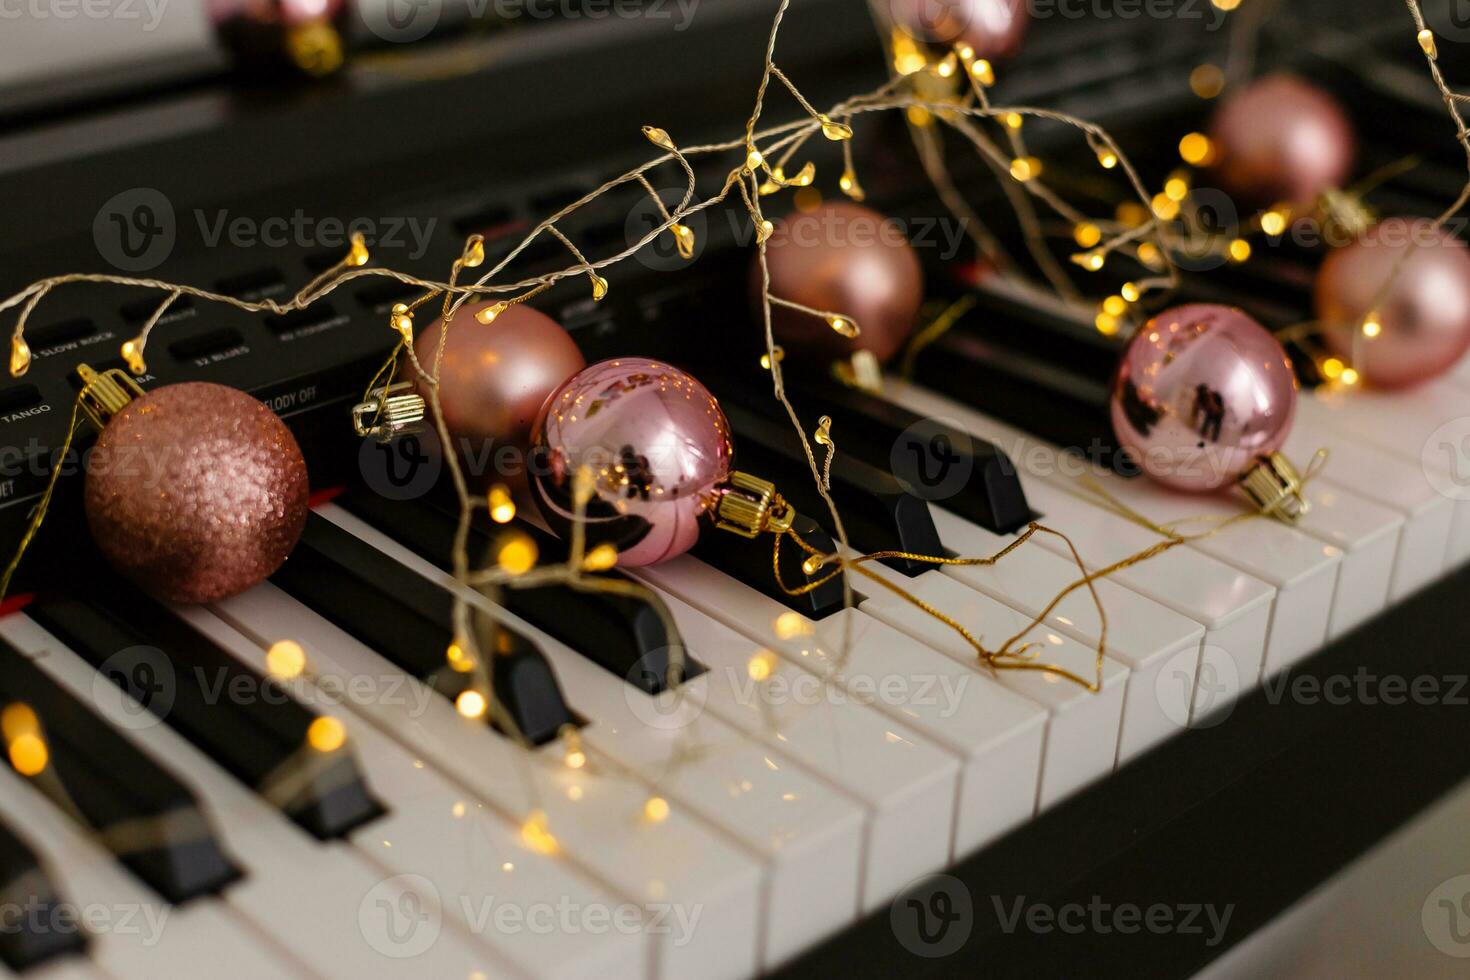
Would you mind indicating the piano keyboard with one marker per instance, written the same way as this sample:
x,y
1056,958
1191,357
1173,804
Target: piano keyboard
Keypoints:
x,y
202,813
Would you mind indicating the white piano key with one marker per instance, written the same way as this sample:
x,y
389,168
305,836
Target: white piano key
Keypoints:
x,y
1232,606
677,866
1404,424
949,705
143,936
906,785
312,898
1302,569
808,835
474,857
71,967
1160,647
1393,482
1083,726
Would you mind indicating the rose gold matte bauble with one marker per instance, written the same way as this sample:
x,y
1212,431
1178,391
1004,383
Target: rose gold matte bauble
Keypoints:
x,y
196,491
848,260
495,377
1425,317
1280,140
994,28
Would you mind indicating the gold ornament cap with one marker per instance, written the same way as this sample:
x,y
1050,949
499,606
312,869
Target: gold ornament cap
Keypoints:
x,y
104,395
1275,486
390,412
750,506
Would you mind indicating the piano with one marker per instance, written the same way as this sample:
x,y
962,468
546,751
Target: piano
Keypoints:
x,y
904,813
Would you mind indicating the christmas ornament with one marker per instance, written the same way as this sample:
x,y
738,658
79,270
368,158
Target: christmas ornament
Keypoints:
x,y
1280,140
657,447
1417,330
851,263
992,28
268,36
195,491
1205,396
494,378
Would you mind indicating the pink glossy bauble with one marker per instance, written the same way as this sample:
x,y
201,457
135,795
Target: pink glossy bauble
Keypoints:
x,y
196,491
845,259
1281,140
494,378
1201,393
994,28
657,445
1425,316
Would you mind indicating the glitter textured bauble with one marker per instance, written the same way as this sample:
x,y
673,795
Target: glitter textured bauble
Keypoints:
x,y
656,444
993,28
1423,320
494,378
849,260
1201,393
1280,140
267,38
196,491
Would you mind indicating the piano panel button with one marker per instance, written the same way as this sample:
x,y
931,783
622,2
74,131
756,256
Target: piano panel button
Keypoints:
x,y
949,705
624,634
1083,727
809,836
1404,425
878,514
475,858
30,895
939,462
241,719
407,620
1395,483
596,819
1160,647
140,810
306,894
750,562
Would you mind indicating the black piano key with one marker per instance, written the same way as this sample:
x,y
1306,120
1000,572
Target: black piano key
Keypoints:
x,y
27,891
932,460
878,514
145,816
750,561
406,618
245,721
623,634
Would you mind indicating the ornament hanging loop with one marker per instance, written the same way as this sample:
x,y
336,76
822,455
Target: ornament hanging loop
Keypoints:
x,y
104,395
